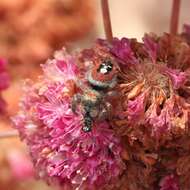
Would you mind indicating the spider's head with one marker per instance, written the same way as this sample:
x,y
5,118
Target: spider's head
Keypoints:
x,y
103,73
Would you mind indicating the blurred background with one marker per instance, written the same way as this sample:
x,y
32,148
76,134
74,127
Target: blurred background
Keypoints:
x,y
31,30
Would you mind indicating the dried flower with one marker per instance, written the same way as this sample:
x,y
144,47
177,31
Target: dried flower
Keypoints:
x,y
61,151
152,112
153,86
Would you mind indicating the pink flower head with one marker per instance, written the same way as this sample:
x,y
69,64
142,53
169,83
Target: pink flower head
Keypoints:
x,y
61,151
63,67
169,182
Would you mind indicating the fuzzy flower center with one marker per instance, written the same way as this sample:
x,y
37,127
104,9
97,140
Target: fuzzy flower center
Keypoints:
x,y
149,78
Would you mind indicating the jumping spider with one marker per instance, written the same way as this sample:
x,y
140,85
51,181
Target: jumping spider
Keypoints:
x,y
101,77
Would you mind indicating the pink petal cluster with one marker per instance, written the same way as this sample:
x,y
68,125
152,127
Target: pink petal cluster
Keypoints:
x,y
135,108
178,78
61,151
4,82
169,182
123,50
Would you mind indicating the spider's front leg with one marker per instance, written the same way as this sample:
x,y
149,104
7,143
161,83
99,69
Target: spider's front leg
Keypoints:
x,y
77,98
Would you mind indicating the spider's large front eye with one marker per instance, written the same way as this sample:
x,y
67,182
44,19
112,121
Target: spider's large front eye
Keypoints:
x,y
105,67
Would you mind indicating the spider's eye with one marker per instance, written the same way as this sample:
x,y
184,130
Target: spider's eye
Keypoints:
x,y
105,67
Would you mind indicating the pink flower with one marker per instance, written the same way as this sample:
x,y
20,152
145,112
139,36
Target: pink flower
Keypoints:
x,y
61,151
169,182
63,67
52,111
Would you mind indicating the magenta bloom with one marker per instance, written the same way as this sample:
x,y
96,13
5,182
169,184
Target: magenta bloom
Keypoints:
x,y
136,108
169,182
61,151
4,83
123,50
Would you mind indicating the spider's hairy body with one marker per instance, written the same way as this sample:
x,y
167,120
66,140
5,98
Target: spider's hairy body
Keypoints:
x,y
101,77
